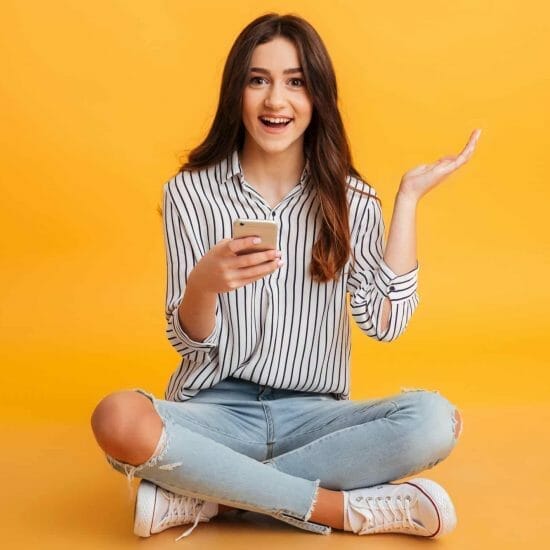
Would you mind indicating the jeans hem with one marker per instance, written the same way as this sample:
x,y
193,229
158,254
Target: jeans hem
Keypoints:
x,y
313,500
305,523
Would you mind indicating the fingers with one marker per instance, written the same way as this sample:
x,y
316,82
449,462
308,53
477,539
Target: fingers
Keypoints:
x,y
475,135
447,164
450,163
251,274
255,258
250,267
237,245
419,169
470,146
244,275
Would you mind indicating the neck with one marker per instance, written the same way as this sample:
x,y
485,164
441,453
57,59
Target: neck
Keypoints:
x,y
278,170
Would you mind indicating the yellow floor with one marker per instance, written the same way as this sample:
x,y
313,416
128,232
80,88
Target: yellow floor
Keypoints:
x,y
60,493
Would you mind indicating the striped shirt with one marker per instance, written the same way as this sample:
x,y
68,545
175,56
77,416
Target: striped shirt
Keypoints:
x,y
284,330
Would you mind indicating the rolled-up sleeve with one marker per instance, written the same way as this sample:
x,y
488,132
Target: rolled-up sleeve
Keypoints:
x,y
182,254
370,281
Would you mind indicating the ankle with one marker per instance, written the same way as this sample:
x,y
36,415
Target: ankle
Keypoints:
x,y
329,508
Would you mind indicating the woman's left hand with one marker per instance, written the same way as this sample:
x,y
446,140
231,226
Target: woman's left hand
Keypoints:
x,y
417,182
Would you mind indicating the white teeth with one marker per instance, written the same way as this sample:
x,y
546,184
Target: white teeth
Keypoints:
x,y
276,120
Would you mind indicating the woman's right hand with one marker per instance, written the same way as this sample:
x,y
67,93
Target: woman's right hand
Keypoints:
x,y
222,270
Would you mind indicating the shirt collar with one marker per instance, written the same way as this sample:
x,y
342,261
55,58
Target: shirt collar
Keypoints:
x,y
233,168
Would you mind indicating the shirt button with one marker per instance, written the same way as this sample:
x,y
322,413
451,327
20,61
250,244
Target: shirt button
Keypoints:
x,y
391,288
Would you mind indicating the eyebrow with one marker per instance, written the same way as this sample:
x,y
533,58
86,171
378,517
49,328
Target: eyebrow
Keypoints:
x,y
286,71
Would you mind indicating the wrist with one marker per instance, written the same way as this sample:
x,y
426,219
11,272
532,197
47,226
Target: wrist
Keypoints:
x,y
195,287
406,198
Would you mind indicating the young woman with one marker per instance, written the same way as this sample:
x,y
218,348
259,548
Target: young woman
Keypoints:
x,y
257,416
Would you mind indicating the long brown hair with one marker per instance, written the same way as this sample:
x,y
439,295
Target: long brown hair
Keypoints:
x,y
325,140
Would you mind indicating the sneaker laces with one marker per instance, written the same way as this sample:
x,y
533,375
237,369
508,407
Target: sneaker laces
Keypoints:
x,y
183,509
393,512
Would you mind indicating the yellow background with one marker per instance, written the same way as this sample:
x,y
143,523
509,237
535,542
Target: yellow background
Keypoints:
x,y
100,100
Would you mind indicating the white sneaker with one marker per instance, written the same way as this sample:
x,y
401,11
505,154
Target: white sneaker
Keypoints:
x,y
157,509
416,507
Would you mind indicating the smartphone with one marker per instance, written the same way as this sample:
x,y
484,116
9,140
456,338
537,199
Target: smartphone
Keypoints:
x,y
267,230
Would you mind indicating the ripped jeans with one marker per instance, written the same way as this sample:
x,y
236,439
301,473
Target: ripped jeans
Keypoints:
x,y
267,450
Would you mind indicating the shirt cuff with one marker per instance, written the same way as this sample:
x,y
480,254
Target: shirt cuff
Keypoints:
x,y
211,341
396,287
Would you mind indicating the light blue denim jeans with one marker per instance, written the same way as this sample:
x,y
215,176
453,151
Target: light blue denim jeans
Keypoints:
x,y
267,450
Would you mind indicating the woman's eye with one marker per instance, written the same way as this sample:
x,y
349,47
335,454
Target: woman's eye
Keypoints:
x,y
298,80
254,79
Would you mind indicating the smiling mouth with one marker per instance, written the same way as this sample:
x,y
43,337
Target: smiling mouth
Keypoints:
x,y
270,124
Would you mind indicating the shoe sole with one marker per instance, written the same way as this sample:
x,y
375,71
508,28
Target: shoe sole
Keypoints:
x,y
442,502
144,508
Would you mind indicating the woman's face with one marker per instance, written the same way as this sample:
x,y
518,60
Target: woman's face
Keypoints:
x,y
275,88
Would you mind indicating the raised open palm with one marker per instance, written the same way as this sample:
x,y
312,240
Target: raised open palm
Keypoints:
x,y
418,181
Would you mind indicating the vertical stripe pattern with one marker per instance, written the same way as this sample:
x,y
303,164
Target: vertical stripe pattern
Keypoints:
x,y
284,330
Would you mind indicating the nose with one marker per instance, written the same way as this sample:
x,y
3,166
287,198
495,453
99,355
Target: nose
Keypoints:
x,y
274,98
